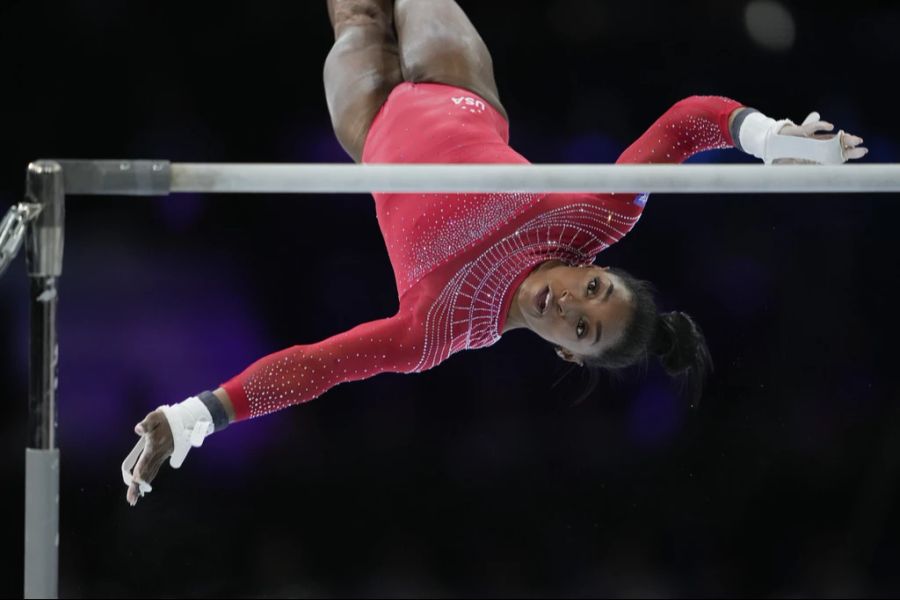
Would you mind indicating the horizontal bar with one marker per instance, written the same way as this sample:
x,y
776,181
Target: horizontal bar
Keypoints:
x,y
116,177
159,177
723,179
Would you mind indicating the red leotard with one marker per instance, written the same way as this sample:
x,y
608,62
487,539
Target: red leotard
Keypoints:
x,y
458,258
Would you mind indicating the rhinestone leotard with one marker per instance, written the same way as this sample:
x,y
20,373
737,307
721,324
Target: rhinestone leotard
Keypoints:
x,y
458,258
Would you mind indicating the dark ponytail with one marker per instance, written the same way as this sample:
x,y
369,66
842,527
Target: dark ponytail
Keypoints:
x,y
674,338
679,344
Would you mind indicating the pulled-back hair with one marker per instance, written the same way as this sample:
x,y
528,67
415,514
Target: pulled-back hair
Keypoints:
x,y
673,337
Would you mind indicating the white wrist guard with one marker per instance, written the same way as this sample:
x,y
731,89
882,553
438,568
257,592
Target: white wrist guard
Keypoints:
x,y
190,422
759,135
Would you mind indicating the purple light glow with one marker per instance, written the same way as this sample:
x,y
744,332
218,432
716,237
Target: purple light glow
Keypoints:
x,y
742,284
591,148
138,330
654,417
182,212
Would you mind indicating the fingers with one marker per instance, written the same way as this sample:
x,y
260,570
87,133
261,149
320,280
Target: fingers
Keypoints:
x,y
814,128
141,478
133,494
851,144
811,129
158,446
143,466
855,153
811,118
138,476
849,140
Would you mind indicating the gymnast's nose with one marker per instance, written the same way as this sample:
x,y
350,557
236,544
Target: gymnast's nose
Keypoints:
x,y
562,303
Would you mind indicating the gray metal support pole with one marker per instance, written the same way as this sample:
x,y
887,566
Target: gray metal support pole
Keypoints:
x,y
44,244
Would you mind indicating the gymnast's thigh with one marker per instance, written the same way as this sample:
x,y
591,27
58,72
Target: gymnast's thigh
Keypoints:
x,y
439,44
362,68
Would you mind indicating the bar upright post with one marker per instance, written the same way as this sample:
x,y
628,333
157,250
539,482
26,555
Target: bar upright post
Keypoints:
x,y
44,244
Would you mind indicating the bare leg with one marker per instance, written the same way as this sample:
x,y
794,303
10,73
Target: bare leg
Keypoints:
x,y
361,69
439,44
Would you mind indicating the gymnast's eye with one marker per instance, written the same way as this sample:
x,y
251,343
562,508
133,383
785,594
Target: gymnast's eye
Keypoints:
x,y
581,327
593,285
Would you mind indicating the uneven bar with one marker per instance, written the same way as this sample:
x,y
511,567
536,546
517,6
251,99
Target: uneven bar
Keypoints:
x,y
719,179
159,178
116,177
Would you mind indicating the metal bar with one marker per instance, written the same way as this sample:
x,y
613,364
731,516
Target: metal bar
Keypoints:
x,y
44,243
117,177
159,177
724,179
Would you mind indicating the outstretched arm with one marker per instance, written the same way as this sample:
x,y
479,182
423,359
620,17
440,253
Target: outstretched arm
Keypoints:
x,y
304,372
690,126
292,376
700,123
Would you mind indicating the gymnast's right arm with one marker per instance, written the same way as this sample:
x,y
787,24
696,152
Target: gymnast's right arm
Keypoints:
x,y
292,376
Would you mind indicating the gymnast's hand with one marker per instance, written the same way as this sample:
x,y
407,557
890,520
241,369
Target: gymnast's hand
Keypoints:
x,y
159,446
814,128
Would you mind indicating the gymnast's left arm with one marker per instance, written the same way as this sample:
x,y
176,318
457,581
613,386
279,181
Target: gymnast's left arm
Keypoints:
x,y
700,123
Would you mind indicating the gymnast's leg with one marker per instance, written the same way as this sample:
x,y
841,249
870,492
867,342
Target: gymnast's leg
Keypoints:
x,y
438,44
362,67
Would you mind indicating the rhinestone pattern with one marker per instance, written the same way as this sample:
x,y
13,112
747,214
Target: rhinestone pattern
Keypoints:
x,y
453,223
456,258
467,314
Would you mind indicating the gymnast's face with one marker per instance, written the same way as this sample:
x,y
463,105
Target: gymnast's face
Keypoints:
x,y
582,310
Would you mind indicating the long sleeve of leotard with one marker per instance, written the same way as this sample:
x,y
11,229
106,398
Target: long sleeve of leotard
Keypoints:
x,y
692,125
301,373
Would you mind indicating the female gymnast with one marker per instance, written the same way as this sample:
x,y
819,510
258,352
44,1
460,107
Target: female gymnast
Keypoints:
x,y
411,81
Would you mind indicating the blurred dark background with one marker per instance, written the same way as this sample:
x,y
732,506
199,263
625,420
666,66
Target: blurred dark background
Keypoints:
x,y
478,477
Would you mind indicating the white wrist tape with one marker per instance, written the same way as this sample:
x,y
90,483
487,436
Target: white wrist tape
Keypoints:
x,y
190,422
759,136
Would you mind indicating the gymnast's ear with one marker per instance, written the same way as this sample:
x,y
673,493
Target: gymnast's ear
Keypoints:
x,y
568,356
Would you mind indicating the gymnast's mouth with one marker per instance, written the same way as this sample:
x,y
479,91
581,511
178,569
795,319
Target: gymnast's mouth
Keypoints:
x,y
542,300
